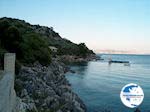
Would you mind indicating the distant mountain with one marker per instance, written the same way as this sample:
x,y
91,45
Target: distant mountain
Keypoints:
x,y
111,51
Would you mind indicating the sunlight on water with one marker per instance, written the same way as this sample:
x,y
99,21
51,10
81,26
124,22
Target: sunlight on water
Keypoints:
x,y
99,84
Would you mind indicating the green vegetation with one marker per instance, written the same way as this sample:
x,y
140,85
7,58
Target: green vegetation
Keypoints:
x,y
34,48
2,51
78,50
31,42
17,37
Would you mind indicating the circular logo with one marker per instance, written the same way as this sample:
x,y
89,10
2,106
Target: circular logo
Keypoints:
x,y
131,95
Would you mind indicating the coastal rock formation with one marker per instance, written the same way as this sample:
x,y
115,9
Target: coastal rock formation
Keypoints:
x,y
40,87
45,89
78,59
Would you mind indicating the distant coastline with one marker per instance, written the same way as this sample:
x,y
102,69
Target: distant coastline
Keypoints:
x,y
120,54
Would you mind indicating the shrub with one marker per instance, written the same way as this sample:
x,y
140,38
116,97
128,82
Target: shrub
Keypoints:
x,y
2,52
12,40
35,49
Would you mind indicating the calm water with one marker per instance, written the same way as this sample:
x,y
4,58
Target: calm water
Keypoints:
x,y
99,84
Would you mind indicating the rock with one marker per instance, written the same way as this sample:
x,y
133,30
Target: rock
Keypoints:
x,y
72,71
137,110
69,59
46,88
24,93
21,107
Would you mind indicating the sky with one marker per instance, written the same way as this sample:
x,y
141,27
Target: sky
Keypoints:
x,y
104,25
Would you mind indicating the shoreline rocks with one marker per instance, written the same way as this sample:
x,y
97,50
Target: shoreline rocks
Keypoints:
x,y
44,89
67,59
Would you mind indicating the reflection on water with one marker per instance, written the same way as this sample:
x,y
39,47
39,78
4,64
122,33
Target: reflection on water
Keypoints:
x,y
99,84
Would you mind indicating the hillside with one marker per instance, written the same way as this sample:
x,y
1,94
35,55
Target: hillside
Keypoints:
x,y
40,82
31,42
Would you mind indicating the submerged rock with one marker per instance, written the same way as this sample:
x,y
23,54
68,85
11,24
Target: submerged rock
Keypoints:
x,y
137,110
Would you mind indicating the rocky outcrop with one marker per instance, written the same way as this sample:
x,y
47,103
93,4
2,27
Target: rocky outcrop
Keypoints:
x,y
45,89
78,59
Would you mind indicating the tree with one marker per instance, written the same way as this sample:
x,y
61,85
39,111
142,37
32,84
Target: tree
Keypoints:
x,y
12,40
83,50
35,49
4,24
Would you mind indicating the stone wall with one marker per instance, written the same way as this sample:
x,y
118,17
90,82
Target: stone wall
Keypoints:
x,y
7,92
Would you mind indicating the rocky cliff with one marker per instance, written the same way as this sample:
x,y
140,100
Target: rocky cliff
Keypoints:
x,y
42,86
38,88
45,89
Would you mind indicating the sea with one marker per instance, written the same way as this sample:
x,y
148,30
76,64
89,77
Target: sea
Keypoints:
x,y
99,84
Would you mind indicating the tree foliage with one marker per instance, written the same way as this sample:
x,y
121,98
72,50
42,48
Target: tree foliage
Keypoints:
x,y
30,42
19,38
35,49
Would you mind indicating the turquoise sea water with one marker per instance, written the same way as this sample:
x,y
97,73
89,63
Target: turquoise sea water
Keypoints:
x,y
99,84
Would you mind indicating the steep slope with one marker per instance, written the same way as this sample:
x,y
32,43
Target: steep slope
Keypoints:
x,y
40,82
52,38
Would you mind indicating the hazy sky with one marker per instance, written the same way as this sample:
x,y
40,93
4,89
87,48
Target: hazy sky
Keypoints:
x,y
122,25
